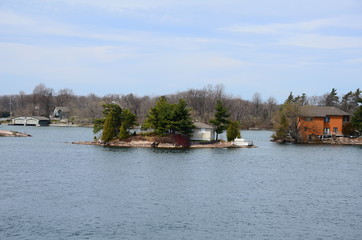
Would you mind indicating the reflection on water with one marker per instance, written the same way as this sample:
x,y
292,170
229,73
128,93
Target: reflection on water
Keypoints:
x,y
51,189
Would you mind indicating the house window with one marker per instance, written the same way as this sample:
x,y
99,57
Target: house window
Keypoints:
x,y
345,119
335,130
326,131
308,119
327,119
203,130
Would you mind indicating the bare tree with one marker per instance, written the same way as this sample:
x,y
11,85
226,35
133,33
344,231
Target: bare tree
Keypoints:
x,y
42,100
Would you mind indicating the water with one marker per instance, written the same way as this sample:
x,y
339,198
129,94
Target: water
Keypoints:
x,y
51,189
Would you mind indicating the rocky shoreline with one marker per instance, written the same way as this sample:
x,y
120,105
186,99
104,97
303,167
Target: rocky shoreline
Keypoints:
x,y
5,133
149,144
329,141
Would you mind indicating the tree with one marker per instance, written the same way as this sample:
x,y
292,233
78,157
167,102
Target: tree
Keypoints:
x,y
158,116
166,118
42,100
233,131
113,122
181,121
128,120
332,99
356,120
220,121
286,125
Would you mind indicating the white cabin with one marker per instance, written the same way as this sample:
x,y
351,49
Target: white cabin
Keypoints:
x,y
203,131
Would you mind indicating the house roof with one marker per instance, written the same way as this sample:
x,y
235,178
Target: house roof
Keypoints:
x,y
202,125
63,109
34,117
316,111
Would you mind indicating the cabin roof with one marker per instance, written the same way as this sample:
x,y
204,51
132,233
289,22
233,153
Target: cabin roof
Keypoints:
x,y
63,109
317,111
202,125
35,117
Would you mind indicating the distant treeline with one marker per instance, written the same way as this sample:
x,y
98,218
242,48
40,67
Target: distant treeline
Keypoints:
x,y
254,113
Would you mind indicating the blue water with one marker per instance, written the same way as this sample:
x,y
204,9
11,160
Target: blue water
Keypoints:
x,y
51,189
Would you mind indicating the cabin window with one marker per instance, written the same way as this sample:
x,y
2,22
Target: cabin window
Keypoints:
x,y
308,119
305,129
326,131
335,130
327,119
203,130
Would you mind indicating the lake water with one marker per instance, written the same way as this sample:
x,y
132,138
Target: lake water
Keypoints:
x,y
51,189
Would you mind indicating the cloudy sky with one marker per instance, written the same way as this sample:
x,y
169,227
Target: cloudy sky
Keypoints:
x,y
157,47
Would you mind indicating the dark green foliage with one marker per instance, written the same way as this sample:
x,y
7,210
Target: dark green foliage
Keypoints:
x,y
98,125
115,122
166,118
5,114
349,101
356,120
112,122
220,121
123,132
233,131
332,99
348,129
181,121
298,100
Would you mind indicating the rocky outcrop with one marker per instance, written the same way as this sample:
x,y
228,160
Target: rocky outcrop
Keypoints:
x,y
5,133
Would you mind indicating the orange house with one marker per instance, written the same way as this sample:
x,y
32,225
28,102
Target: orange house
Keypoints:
x,y
321,121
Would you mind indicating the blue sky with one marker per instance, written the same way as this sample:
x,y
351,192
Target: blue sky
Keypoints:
x,y
154,47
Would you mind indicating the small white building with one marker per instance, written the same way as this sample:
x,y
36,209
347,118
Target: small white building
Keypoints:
x,y
30,121
203,131
61,112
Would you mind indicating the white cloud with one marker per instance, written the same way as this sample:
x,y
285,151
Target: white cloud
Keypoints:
x,y
353,22
9,18
322,42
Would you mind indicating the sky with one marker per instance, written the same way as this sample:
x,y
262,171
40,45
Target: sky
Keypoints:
x,y
156,47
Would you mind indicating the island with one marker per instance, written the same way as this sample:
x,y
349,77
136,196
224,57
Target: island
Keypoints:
x,y
167,125
167,142
6,133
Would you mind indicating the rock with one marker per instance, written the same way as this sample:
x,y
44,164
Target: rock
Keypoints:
x,y
5,133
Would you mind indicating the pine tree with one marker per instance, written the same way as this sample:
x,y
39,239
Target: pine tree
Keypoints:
x,y
166,118
332,99
233,131
356,120
112,121
181,119
220,120
115,122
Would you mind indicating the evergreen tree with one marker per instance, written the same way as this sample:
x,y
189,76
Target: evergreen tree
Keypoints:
x,y
233,131
159,116
332,99
347,102
114,121
166,118
220,120
181,121
123,132
356,120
